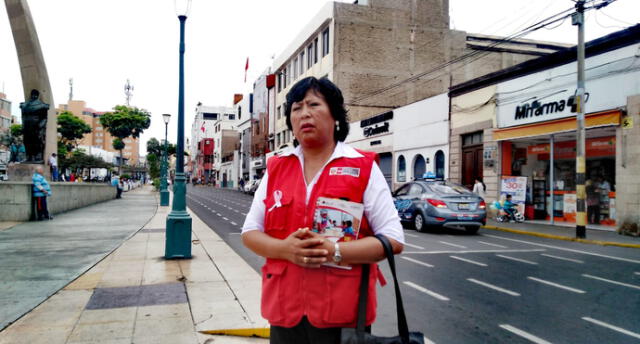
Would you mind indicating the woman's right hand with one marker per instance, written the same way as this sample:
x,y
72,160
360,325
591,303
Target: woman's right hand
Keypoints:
x,y
303,249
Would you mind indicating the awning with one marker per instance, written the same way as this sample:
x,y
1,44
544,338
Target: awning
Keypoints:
x,y
598,119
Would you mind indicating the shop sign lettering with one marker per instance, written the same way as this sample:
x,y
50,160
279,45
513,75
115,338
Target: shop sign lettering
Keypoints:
x,y
537,108
370,131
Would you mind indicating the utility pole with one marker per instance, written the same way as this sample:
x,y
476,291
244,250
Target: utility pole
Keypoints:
x,y
581,214
70,89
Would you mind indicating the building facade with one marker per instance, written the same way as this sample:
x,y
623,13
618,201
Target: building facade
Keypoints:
x,y
519,124
99,137
5,113
387,54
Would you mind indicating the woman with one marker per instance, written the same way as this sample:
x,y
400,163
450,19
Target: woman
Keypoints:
x,y
479,188
304,300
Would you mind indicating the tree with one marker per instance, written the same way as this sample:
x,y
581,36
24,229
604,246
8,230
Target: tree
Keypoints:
x,y
71,128
12,136
125,122
154,147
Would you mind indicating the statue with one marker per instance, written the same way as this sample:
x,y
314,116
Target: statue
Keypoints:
x,y
34,127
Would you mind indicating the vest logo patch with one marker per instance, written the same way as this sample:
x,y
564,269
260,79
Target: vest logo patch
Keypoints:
x,y
345,171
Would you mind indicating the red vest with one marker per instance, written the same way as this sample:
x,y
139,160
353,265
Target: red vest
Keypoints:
x,y
327,296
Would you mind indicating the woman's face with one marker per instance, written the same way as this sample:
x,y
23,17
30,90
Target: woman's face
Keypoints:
x,y
311,120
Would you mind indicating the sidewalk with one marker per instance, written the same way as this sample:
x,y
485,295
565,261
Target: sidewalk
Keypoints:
x,y
134,295
593,236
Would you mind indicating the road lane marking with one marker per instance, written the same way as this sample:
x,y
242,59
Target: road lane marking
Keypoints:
x,y
414,246
490,244
245,214
556,285
233,223
637,273
426,291
562,258
491,286
566,249
468,260
524,334
412,235
218,214
612,327
235,233
224,218
517,259
417,262
450,244
474,251
612,282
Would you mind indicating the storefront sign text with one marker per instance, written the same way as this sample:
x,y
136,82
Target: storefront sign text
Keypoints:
x,y
537,108
370,131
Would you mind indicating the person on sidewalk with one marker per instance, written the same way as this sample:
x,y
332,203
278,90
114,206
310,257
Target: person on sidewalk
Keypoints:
x,y
41,190
593,202
53,167
278,224
479,188
115,181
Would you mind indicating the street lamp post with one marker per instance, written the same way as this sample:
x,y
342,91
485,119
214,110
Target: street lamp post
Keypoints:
x,y
178,233
164,192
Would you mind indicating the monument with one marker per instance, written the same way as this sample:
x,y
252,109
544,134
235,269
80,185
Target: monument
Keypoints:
x,y
38,110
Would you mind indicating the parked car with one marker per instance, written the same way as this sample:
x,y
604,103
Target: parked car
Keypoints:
x,y
437,203
251,186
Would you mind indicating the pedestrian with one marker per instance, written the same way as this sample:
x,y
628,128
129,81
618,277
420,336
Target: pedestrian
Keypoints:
x,y
593,202
241,184
41,190
304,300
479,188
53,167
115,181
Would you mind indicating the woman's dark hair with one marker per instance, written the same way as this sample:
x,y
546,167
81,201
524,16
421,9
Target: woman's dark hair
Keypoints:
x,y
331,94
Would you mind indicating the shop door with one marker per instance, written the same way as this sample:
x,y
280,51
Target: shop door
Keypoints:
x,y
471,165
385,166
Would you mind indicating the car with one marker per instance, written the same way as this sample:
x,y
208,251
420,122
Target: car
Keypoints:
x,y
438,203
251,186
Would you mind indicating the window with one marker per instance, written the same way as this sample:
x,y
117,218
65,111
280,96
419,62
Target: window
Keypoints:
x,y
415,190
278,139
278,112
310,56
239,112
295,68
439,159
472,139
325,42
419,167
315,51
403,191
232,117
98,128
402,169
279,82
302,62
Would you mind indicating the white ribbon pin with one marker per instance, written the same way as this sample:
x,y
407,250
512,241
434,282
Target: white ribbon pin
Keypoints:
x,y
277,196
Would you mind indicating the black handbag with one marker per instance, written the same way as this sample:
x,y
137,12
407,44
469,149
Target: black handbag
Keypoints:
x,y
358,335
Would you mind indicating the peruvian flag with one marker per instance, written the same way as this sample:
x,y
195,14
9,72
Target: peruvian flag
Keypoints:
x,y
246,68
202,127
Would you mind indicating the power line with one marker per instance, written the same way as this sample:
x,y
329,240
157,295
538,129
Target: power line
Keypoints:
x,y
477,54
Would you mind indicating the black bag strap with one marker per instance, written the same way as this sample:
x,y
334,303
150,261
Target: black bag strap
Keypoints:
x,y
403,328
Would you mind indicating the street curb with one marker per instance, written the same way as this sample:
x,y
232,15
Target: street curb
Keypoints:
x,y
560,237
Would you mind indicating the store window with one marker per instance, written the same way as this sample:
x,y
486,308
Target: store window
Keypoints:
x,y
439,159
419,167
402,169
325,42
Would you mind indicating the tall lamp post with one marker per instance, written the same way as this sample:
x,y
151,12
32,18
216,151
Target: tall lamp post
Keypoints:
x,y
164,192
178,233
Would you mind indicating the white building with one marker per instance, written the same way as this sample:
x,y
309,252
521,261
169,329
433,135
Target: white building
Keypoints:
x,y
204,127
410,140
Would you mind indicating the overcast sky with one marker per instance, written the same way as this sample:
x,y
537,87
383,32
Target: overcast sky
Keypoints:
x,y
102,43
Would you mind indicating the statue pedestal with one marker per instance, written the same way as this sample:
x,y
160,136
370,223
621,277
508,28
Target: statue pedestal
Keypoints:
x,y
23,172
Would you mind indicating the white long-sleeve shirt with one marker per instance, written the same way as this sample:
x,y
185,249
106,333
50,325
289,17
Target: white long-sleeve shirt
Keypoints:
x,y
378,204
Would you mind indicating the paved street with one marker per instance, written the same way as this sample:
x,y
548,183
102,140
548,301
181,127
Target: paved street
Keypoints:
x,y
494,287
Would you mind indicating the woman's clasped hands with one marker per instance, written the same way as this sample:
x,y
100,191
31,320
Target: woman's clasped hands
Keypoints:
x,y
305,248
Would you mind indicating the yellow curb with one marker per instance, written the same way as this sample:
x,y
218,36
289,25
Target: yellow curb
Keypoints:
x,y
242,332
560,237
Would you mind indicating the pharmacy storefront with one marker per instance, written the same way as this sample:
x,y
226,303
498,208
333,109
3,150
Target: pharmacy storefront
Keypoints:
x,y
537,136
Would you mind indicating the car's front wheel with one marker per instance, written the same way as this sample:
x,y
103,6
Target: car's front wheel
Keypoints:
x,y
418,222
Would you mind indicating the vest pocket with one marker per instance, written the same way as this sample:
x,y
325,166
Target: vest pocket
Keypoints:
x,y
277,212
272,290
342,289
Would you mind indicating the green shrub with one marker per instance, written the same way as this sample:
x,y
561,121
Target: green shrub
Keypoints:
x,y
156,184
